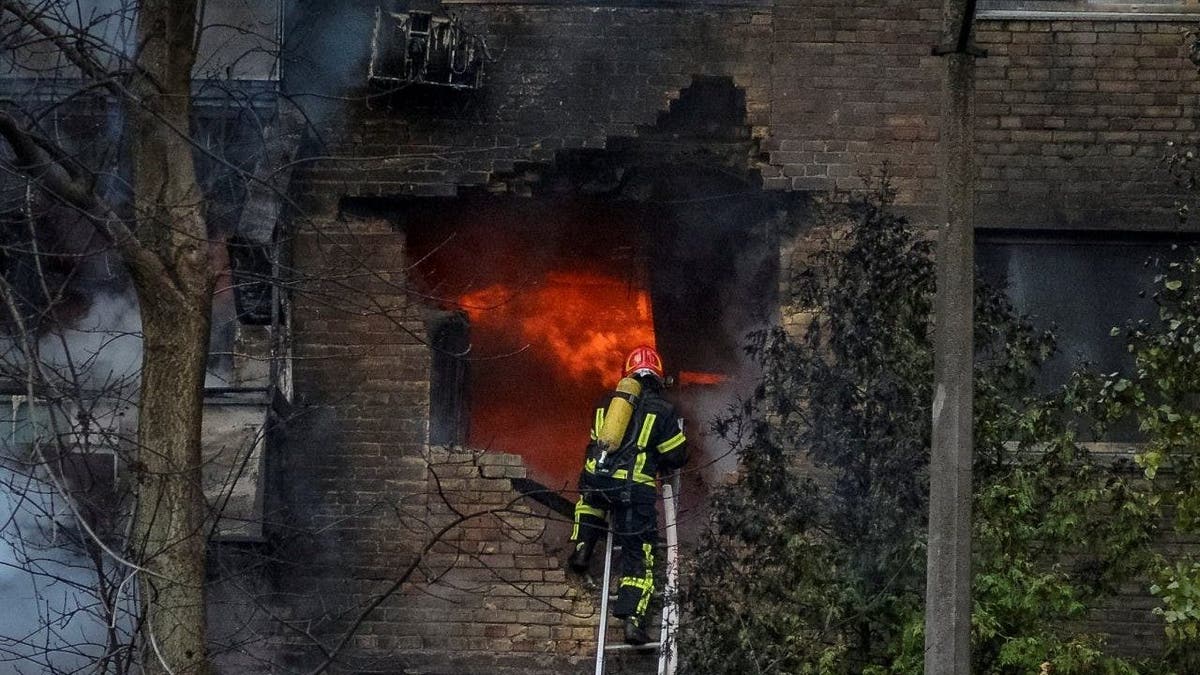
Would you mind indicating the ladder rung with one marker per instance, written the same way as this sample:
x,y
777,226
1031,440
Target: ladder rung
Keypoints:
x,y
658,546
656,595
631,648
606,594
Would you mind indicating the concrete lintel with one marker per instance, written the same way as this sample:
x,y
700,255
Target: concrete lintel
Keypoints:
x,y
1184,15
635,4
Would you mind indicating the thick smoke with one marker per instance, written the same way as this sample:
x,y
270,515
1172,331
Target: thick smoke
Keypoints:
x,y
718,285
53,620
101,352
742,302
108,24
326,49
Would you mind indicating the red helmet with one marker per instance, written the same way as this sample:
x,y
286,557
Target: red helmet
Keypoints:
x,y
643,360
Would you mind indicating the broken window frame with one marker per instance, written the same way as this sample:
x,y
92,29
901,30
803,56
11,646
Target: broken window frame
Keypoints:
x,y
404,44
449,374
41,464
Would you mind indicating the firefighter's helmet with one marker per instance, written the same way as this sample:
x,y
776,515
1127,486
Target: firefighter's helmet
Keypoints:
x,y
643,360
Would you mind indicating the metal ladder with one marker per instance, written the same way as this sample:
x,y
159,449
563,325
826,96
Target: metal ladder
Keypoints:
x,y
668,654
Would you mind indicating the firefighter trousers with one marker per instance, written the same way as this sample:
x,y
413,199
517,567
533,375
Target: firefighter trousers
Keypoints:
x,y
635,529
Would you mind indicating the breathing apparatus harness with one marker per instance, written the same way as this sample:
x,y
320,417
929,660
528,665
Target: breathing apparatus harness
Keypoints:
x,y
614,446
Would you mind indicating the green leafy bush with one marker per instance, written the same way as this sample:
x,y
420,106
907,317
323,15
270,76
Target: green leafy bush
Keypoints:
x,y
815,559
1162,396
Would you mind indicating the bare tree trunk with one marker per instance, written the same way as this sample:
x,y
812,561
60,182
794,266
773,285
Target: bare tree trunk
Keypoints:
x,y
170,504
175,304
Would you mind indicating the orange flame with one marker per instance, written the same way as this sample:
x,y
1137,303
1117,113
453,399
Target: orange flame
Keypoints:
x,y
569,334
582,322
690,377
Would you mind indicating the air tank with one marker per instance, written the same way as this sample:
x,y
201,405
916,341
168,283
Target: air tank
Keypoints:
x,y
620,411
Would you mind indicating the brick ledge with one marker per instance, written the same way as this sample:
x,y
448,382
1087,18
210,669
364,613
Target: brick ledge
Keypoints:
x,y
1181,14
635,4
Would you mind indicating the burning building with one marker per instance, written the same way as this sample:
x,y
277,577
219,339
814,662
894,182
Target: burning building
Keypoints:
x,y
487,202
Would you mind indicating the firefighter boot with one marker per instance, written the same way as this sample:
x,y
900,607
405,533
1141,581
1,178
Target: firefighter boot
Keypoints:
x,y
580,558
635,634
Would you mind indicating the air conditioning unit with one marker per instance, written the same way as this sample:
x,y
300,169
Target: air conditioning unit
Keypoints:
x,y
424,47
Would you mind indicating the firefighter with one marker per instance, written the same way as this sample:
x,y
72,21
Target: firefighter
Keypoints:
x,y
636,436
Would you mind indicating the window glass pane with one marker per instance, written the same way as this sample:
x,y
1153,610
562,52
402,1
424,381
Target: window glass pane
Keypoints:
x,y
1081,286
17,428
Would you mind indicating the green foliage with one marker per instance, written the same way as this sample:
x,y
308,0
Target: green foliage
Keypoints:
x,y
815,562
1162,396
1179,590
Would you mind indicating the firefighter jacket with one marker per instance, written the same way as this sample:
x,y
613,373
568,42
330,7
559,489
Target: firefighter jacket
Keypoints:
x,y
654,443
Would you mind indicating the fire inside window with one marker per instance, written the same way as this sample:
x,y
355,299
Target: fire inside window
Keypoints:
x,y
415,46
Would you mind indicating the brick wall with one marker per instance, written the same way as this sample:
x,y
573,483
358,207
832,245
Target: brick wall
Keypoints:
x,y
1073,117
854,86
834,90
496,594
1073,121
564,77
353,467
362,389
366,497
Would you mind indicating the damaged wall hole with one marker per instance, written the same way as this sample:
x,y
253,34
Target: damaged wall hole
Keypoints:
x,y
666,238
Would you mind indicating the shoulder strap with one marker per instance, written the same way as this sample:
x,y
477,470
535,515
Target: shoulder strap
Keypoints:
x,y
629,445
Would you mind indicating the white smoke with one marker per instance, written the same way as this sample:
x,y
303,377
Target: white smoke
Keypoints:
x,y
101,352
52,619
109,23
714,457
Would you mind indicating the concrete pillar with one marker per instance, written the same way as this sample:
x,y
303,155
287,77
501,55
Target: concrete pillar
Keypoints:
x,y
948,572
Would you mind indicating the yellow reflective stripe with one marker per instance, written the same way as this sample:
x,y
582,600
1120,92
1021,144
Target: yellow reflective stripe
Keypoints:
x,y
639,464
585,509
647,583
647,427
582,509
590,465
672,443
598,424
637,477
